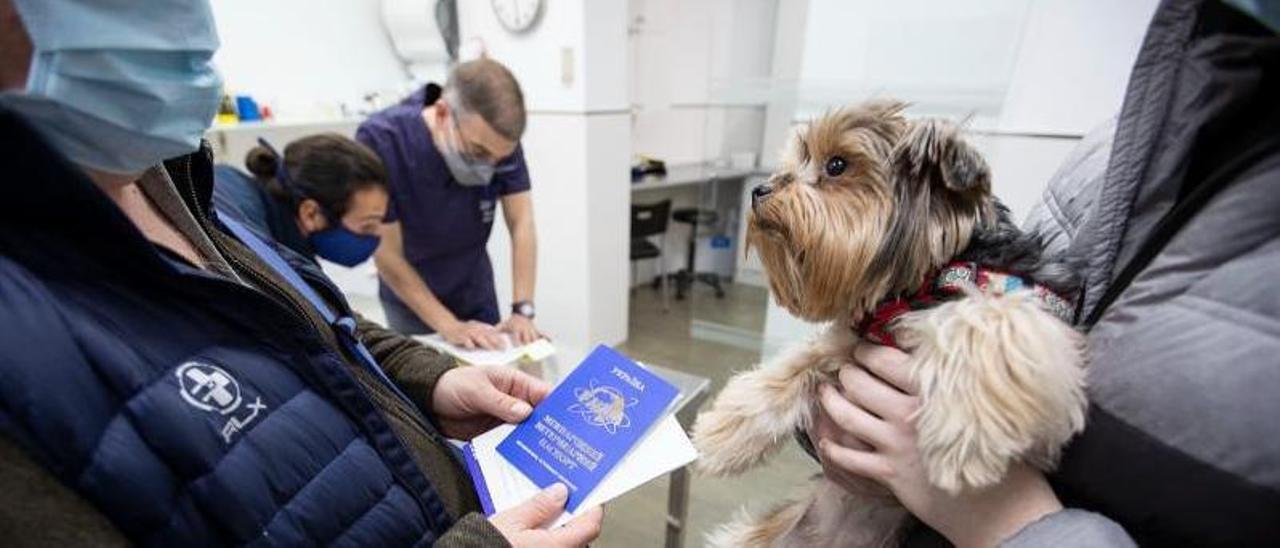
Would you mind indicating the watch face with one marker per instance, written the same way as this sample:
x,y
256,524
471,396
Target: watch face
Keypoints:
x,y
524,309
517,15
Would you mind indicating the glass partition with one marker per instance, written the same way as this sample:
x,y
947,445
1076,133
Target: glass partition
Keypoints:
x,y
952,60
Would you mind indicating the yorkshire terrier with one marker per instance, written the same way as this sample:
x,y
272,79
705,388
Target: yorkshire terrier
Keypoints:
x,y
887,228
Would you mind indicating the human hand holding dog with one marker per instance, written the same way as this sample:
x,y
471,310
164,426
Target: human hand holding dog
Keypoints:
x,y
864,429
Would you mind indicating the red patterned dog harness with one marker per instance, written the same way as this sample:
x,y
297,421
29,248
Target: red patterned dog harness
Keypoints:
x,y
949,283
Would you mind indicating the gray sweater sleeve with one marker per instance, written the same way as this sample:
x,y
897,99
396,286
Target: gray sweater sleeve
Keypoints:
x,y
1071,528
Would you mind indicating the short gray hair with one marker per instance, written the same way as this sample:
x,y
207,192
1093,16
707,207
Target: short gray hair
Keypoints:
x,y
487,88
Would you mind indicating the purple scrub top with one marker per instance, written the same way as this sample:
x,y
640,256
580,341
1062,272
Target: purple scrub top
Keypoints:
x,y
445,226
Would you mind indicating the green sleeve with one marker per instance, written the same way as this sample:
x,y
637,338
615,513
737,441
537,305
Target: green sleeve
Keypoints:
x,y
472,531
38,510
411,364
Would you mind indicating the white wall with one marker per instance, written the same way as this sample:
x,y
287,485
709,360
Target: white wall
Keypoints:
x,y
299,54
951,56
582,40
690,61
1073,64
572,68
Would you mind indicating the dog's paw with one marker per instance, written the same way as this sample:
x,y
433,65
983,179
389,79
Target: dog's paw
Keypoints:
x,y
750,419
1001,381
718,435
759,409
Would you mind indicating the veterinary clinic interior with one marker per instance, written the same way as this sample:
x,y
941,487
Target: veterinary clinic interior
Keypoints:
x,y
743,270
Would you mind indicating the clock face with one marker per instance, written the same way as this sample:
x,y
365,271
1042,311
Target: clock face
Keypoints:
x,y
517,15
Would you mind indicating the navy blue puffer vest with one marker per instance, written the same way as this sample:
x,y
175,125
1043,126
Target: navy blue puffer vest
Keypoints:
x,y
189,409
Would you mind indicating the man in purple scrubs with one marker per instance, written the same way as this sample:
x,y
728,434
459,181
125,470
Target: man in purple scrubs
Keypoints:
x,y
451,154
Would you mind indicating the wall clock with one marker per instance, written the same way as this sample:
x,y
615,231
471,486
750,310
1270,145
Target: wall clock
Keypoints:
x,y
517,15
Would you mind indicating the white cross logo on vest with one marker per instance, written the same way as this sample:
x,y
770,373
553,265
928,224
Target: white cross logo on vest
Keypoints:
x,y
208,387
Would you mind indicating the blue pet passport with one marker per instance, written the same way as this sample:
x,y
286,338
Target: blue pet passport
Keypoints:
x,y
588,423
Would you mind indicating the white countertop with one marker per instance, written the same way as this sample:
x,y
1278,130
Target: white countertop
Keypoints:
x,y
691,174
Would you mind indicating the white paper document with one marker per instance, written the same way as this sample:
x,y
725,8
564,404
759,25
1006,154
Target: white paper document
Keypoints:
x,y
662,450
510,353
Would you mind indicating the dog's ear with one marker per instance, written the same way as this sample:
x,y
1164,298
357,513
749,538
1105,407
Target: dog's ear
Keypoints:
x,y
932,152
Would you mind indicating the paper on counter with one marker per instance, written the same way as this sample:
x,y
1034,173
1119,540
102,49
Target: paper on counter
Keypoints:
x,y
534,351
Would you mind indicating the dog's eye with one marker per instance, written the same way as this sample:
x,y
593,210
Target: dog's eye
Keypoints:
x,y
836,166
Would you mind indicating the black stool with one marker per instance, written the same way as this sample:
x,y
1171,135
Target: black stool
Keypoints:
x,y
686,278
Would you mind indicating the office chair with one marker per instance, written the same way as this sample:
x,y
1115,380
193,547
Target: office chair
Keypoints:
x,y
686,278
651,220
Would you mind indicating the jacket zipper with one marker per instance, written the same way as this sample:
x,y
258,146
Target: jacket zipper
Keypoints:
x,y
293,307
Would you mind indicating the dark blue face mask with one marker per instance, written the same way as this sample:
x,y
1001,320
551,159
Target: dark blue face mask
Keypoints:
x,y
337,243
340,245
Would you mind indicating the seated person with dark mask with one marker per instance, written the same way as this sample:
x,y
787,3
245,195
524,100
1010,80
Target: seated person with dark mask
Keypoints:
x,y
325,196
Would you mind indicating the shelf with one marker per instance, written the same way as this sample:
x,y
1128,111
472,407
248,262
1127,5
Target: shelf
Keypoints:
x,y
286,124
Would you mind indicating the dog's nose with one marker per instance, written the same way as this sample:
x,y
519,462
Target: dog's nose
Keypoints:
x,y
759,193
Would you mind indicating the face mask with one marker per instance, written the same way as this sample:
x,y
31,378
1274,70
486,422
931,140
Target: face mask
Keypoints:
x,y
119,90
342,246
467,171
337,243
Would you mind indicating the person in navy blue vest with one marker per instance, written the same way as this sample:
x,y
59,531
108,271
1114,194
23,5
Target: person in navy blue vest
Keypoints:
x,y
167,376
325,196
451,155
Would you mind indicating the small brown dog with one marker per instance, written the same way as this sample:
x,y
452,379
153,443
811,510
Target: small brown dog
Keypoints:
x,y
887,227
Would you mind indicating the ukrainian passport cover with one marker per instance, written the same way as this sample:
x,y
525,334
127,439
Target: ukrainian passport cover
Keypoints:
x,y
580,432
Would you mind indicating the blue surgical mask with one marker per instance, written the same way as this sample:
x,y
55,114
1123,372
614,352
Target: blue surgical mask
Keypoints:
x,y
120,89
340,245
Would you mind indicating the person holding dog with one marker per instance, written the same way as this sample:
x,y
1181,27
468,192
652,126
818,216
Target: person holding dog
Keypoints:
x,y
1172,213
451,155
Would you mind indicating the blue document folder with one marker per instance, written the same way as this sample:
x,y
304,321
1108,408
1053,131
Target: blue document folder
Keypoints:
x,y
588,423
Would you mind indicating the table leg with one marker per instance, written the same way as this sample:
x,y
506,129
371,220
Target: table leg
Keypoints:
x,y
677,507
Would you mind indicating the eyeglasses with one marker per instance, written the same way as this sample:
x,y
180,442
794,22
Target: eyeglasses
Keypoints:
x,y
471,150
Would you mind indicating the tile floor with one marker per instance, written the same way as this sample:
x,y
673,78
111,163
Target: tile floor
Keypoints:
x,y
638,519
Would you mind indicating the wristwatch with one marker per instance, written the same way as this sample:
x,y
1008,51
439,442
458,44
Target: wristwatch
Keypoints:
x,y
523,308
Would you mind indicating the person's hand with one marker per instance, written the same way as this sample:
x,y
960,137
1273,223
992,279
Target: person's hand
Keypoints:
x,y
521,329
522,525
864,429
824,428
472,335
470,400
